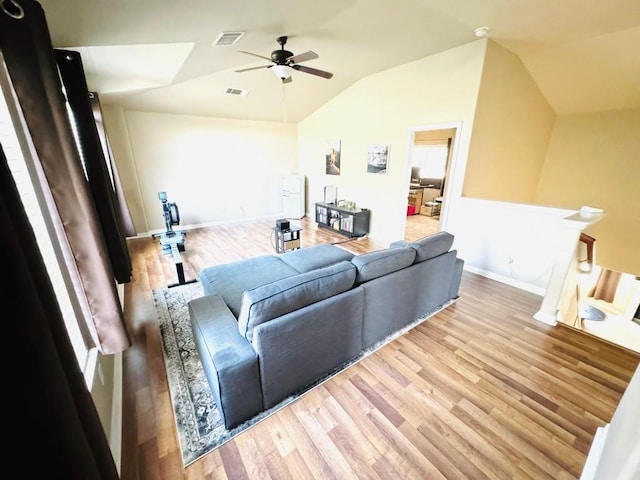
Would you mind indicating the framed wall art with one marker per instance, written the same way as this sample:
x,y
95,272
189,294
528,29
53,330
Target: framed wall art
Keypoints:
x,y
332,158
378,159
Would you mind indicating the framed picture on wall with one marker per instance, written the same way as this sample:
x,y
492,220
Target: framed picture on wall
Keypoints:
x,y
332,158
378,159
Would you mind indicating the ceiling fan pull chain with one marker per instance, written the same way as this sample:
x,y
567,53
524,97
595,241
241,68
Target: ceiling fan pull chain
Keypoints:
x,y
13,9
284,105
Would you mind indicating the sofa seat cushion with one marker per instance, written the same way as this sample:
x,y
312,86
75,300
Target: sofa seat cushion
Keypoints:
x,y
230,280
312,258
432,246
376,264
278,298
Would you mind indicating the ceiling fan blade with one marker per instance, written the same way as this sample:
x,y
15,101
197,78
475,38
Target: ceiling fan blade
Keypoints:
x,y
256,55
303,57
253,68
312,71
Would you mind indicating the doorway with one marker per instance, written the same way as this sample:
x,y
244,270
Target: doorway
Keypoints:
x,y
428,172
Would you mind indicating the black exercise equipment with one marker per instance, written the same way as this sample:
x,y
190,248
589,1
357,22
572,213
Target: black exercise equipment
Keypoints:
x,y
171,217
172,241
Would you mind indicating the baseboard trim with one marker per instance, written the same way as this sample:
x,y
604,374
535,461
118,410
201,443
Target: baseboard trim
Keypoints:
x,y
546,318
527,287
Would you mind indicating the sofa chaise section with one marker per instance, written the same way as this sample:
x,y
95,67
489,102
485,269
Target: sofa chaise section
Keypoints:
x,y
231,280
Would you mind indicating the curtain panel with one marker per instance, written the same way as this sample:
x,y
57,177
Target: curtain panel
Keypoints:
x,y
53,427
120,201
98,175
31,64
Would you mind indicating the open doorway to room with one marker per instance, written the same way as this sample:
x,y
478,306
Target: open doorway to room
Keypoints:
x,y
429,166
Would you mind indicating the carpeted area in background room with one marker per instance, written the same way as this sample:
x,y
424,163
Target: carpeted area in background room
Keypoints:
x,y
199,425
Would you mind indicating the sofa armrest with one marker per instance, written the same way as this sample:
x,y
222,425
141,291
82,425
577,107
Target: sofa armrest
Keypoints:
x,y
457,278
229,361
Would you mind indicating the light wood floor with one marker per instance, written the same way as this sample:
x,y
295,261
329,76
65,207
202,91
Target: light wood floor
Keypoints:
x,y
479,391
419,226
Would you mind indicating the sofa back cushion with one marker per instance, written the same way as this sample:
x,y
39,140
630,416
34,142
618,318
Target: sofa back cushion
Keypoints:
x,y
432,246
376,264
278,298
317,256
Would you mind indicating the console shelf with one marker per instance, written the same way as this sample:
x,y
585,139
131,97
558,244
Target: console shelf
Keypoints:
x,y
352,222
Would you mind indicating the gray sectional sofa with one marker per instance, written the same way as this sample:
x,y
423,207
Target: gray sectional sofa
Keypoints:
x,y
268,326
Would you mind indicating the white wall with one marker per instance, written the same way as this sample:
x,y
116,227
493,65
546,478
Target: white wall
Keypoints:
x,y
381,109
615,453
216,170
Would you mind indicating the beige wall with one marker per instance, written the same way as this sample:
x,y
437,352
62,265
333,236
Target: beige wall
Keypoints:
x,y
115,124
381,109
511,130
594,159
216,170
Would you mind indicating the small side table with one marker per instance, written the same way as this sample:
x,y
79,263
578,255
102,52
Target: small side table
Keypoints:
x,y
287,240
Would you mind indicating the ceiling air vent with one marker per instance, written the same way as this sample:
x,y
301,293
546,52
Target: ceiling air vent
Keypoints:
x,y
227,38
236,91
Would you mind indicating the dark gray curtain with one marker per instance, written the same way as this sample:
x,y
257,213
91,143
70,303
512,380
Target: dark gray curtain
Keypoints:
x,y
98,175
120,201
53,427
91,230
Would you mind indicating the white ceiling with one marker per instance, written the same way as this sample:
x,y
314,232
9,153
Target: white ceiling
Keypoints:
x,y
157,55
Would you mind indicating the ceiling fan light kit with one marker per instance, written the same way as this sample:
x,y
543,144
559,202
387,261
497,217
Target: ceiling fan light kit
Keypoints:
x,y
281,71
284,62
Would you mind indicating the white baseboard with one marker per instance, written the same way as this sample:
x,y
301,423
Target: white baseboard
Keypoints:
x,y
527,287
546,318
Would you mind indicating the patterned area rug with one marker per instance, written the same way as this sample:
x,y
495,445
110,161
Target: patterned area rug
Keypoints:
x,y
199,425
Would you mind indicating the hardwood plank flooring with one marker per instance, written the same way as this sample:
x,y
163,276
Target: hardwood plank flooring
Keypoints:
x,y
480,390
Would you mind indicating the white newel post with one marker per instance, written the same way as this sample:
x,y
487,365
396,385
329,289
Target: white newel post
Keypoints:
x,y
567,245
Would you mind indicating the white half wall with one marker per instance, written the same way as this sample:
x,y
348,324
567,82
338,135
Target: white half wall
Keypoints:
x,y
512,243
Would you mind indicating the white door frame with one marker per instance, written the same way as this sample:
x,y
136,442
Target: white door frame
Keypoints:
x,y
454,174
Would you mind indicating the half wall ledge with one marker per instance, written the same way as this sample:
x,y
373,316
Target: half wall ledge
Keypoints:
x,y
568,243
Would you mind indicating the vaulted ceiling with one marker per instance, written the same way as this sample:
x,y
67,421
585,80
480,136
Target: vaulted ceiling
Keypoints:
x,y
157,55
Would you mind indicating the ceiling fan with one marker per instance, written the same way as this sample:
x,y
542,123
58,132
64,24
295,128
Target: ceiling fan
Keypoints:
x,y
284,61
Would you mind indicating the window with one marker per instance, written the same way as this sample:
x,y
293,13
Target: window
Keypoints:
x,y
431,159
34,201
